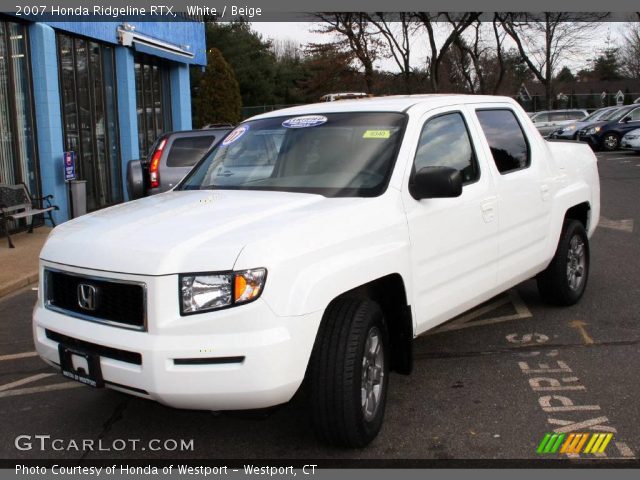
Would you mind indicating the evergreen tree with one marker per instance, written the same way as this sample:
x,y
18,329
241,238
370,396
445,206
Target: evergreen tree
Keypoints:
x,y
217,96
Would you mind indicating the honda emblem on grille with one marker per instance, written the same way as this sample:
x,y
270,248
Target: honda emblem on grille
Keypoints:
x,y
87,295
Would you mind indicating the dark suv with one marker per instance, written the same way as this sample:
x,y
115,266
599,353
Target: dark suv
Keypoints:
x,y
606,135
172,157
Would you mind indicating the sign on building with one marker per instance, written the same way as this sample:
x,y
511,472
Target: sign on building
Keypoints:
x,y
69,166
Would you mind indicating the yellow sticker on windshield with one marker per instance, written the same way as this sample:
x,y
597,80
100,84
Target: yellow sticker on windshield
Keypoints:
x,y
377,134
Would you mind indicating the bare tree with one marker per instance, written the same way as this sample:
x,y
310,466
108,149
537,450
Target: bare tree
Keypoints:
x,y
481,60
397,35
356,35
286,49
631,51
546,40
457,26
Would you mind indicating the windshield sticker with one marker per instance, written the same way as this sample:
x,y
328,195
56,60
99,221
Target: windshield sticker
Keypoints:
x,y
377,134
235,135
305,121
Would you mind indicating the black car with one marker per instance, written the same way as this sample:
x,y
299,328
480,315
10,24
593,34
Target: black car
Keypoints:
x,y
606,135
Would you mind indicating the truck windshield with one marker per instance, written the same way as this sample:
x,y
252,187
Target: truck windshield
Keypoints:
x,y
334,154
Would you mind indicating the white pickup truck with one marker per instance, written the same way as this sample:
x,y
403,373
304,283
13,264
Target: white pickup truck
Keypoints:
x,y
376,221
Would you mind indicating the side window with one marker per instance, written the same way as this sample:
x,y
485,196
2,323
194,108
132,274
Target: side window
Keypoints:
x,y
576,115
541,118
445,142
635,115
506,139
185,152
557,116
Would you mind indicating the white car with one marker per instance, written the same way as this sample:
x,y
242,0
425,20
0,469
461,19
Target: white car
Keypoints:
x,y
631,141
377,220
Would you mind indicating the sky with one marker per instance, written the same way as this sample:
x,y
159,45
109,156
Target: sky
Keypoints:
x,y
300,33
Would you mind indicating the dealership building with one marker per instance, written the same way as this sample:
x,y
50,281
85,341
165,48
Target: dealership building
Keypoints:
x,y
104,90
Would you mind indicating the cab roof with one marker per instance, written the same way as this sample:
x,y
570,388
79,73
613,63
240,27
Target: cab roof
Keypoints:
x,y
395,103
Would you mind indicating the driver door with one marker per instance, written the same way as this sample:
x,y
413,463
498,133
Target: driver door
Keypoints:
x,y
454,241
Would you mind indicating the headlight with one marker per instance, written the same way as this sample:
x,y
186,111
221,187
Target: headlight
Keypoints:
x,y
201,292
569,128
593,130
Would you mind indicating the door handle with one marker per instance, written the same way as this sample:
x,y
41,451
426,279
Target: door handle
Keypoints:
x,y
544,192
488,210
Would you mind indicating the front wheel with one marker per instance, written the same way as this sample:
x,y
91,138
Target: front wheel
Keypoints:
x,y
350,373
565,279
610,142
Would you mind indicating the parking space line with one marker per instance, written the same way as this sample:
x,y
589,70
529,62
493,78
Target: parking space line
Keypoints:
x,y
24,381
15,356
579,325
46,388
624,225
468,320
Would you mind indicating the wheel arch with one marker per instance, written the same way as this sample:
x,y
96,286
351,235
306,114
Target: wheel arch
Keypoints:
x,y
390,293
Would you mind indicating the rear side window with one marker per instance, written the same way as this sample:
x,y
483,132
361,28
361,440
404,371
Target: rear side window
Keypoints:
x,y
445,142
186,151
506,139
557,116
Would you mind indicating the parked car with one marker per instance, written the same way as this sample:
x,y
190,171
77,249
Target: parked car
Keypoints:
x,y
378,220
570,131
332,97
172,156
549,120
606,135
631,141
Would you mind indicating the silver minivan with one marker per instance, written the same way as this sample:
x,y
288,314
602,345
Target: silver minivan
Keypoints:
x,y
548,121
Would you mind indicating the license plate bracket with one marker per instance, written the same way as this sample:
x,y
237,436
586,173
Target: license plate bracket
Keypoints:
x,y
81,366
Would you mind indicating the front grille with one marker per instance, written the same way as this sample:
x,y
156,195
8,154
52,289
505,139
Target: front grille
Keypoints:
x,y
113,302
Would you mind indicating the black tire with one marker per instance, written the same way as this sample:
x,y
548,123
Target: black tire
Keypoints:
x,y
556,284
336,373
610,142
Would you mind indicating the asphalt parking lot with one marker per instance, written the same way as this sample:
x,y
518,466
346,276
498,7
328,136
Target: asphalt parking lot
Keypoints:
x,y
487,385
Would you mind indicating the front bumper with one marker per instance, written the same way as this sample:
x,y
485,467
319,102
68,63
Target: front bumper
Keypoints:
x,y
239,358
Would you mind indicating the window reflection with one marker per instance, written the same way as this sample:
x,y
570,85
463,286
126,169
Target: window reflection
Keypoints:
x,y
17,139
153,101
87,84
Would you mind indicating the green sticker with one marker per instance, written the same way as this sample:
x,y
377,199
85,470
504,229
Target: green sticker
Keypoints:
x,y
377,134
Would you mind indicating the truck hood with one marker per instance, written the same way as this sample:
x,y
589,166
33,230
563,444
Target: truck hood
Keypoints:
x,y
179,232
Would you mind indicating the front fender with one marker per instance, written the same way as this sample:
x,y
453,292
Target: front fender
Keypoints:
x,y
309,268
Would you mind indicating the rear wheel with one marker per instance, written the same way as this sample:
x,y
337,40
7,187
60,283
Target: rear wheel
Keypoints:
x,y
565,279
349,373
610,142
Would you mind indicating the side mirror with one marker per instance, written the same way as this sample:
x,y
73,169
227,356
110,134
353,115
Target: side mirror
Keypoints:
x,y
436,182
626,119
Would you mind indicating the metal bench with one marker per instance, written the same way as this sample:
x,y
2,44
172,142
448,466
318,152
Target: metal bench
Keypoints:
x,y
16,202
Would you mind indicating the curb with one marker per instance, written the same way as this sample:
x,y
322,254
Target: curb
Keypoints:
x,y
15,285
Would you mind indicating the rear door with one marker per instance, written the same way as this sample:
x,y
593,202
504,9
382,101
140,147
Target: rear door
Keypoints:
x,y
523,183
454,241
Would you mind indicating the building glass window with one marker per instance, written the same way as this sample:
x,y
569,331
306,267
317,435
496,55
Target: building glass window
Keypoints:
x,y
17,134
89,115
153,101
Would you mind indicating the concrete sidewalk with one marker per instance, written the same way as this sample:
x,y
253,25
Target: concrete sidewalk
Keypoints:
x,y
19,266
